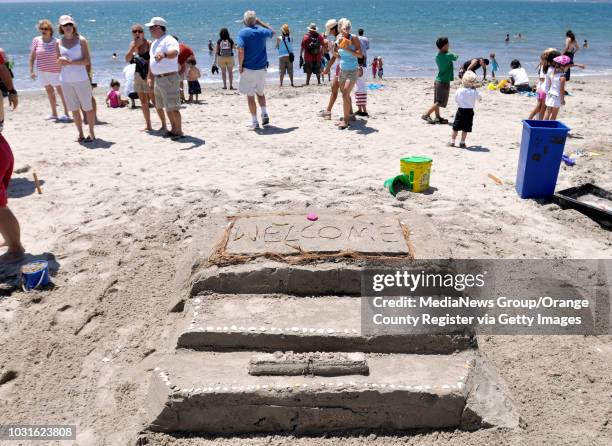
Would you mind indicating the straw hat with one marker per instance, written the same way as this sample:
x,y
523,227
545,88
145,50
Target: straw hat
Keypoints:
x,y
312,27
329,25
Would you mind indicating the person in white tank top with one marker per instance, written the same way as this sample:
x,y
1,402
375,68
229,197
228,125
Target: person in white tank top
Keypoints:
x,y
73,58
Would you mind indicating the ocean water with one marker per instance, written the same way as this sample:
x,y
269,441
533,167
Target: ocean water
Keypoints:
x,y
403,32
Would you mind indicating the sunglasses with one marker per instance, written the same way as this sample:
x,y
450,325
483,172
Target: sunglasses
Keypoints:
x,y
137,31
69,24
44,29
153,27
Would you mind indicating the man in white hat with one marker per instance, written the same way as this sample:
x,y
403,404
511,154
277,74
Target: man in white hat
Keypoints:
x,y
164,77
311,53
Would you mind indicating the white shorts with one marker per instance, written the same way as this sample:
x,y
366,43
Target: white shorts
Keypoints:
x,y
46,78
553,101
78,95
252,82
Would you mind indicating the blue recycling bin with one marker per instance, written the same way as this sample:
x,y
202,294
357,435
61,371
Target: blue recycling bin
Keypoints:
x,y
542,147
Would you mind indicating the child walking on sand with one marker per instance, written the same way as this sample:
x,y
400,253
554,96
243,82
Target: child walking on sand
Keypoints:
x,y
444,61
361,94
374,67
113,97
494,64
380,67
193,76
542,86
555,93
466,97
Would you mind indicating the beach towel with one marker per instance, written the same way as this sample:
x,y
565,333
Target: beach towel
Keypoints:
x,y
375,86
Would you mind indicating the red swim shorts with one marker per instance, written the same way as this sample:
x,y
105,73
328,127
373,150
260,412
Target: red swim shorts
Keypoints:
x,y
6,170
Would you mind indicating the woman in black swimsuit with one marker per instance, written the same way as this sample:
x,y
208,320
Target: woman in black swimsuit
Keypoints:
x,y
571,47
138,53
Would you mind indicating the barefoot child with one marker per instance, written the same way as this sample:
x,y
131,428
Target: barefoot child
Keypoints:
x,y
494,65
361,94
380,67
555,93
113,97
193,74
541,87
374,67
444,61
466,97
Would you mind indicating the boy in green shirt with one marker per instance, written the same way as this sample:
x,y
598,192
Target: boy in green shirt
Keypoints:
x,y
444,60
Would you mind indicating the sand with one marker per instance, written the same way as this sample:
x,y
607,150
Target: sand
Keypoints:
x,y
115,216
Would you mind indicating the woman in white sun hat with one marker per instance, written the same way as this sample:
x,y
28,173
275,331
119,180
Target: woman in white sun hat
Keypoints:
x,y
73,58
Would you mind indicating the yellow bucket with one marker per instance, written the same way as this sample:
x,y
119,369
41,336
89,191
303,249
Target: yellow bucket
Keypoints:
x,y
418,170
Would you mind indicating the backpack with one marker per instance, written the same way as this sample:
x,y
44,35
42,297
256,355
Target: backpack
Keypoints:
x,y
314,44
225,48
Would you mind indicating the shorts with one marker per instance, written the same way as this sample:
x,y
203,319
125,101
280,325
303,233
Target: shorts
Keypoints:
x,y
541,95
168,92
46,78
284,66
441,93
464,119
553,101
351,75
226,62
140,84
78,95
252,82
312,67
6,170
568,73
523,87
194,87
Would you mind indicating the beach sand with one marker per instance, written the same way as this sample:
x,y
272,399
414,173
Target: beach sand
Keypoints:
x,y
117,214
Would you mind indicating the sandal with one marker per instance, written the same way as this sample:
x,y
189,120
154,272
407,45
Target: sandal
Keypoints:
x,y
441,121
88,139
342,126
427,119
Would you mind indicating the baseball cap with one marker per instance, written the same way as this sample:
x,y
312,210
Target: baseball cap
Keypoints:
x,y
65,19
157,21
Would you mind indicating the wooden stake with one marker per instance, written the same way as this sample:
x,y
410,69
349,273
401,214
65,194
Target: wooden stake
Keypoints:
x,y
494,178
37,184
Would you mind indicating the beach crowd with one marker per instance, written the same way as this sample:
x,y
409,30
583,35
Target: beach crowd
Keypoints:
x,y
158,68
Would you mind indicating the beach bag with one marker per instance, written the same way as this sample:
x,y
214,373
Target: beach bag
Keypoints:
x,y
314,44
291,55
510,89
142,66
225,48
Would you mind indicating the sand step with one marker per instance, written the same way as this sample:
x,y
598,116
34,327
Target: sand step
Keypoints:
x,y
283,323
309,364
212,392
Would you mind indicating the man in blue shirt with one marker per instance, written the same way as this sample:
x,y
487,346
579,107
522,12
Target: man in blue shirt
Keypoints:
x,y
253,63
